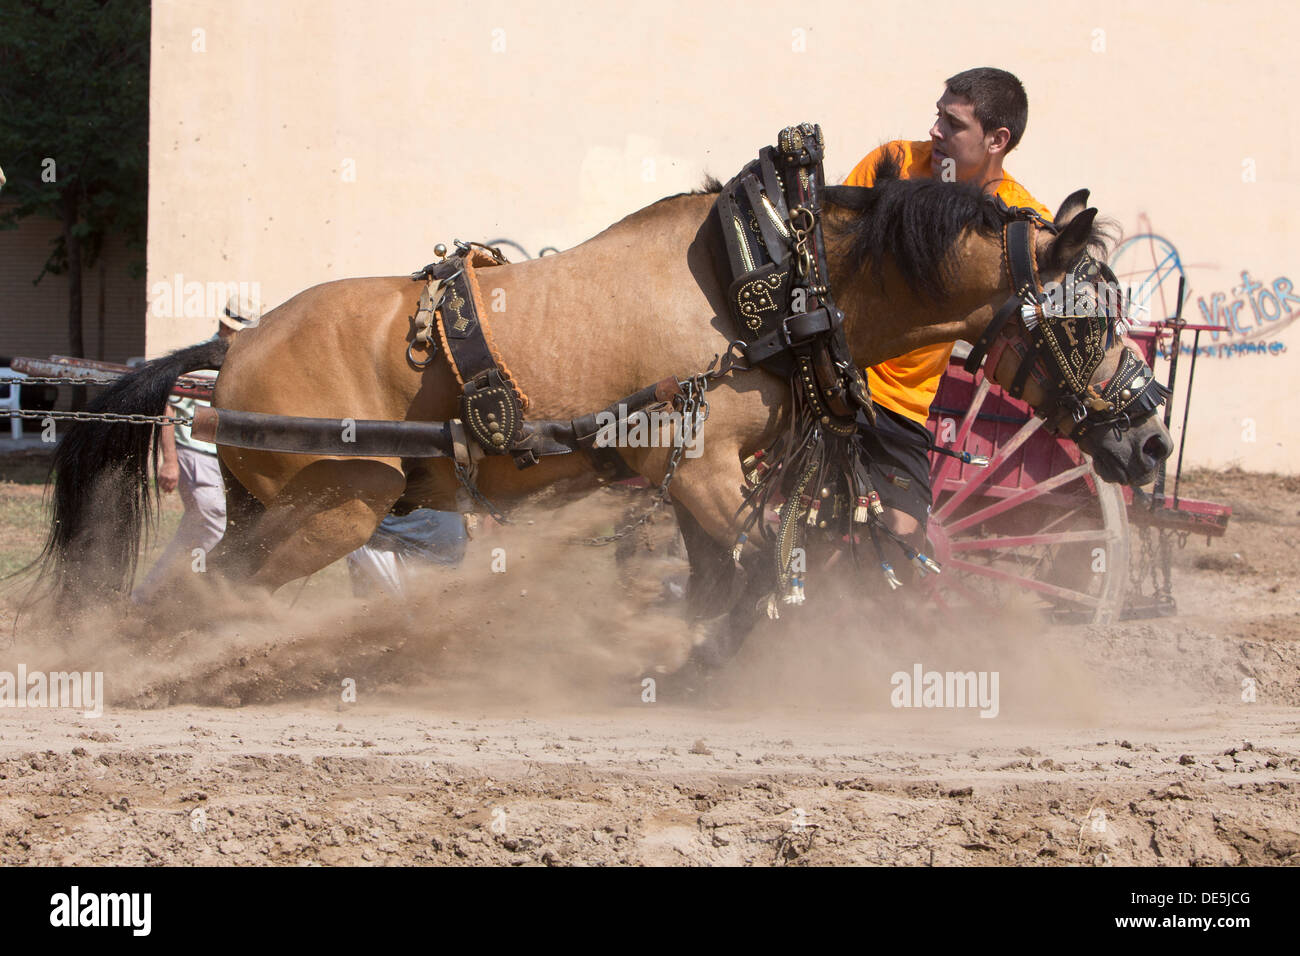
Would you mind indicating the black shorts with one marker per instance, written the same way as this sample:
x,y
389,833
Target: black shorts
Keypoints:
x,y
898,452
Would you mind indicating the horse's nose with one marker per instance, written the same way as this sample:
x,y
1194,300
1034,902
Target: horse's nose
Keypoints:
x,y
1157,448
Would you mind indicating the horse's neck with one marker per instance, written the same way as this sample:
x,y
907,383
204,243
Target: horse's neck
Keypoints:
x,y
884,318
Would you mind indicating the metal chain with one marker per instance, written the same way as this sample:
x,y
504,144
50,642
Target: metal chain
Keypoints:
x,y
695,408
463,475
184,381
177,419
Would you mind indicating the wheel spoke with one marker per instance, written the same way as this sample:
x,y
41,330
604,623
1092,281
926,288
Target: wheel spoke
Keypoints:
x,y
1028,540
1004,452
1043,587
946,462
1019,498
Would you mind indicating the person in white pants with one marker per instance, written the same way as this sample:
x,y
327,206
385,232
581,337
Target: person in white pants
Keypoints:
x,y
402,543
190,466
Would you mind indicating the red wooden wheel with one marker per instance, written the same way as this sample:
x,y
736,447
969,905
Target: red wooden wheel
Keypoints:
x,y
1034,529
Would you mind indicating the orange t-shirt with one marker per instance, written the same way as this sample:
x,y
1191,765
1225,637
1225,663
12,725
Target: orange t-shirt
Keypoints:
x,y
907,384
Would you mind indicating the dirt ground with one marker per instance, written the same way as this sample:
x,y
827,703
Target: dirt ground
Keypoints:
x,y
504,718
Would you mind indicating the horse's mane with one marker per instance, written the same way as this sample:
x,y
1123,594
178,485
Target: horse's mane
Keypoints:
x,y
916,223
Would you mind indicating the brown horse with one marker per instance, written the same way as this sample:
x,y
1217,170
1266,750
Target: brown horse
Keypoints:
x,y
638,302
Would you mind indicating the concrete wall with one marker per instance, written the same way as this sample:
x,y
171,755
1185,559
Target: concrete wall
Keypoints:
x,y
296,142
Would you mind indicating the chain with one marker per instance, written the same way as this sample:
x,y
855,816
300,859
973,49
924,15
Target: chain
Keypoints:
x,y
54,380
802,229
177,419
695,409
463,475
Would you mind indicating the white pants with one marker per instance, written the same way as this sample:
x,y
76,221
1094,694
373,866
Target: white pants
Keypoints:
x,y
204,495
402,545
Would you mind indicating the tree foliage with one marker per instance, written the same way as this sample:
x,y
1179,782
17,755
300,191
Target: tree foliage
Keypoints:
x,y
74,128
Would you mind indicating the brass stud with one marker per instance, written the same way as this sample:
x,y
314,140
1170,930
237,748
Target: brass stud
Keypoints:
x,y
498,439
826,492
1125,394
440,251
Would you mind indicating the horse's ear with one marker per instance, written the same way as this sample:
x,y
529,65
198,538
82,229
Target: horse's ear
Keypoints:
x,y
1074,204
1066,245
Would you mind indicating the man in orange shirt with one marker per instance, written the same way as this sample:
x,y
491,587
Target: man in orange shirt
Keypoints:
x,y
981,117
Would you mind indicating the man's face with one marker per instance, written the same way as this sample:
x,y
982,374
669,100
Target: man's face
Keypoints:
x,y
958,136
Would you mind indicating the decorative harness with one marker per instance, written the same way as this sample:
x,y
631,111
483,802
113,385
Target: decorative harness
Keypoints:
x,y
1061,338
774,255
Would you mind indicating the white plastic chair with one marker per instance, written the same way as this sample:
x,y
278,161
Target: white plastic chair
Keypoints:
x,y
11,378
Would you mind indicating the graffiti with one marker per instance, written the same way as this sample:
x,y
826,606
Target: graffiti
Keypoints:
x,y
1268,304
1248,317
1231,350
1150,266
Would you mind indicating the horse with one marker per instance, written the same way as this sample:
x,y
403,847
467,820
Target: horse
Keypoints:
x,y
912,263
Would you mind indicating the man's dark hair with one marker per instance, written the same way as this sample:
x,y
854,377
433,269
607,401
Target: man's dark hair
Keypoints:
x,y
998,97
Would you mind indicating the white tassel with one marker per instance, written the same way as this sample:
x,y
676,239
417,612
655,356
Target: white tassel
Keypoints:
x,y
860,512
740,545
796,594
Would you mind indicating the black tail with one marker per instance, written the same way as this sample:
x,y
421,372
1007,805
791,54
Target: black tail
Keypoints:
x,y
100,479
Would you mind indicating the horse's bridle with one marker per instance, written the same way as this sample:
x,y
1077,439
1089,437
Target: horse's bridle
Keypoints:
x,y
1062,343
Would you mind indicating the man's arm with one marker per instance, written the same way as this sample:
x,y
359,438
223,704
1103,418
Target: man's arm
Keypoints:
x,y
169,470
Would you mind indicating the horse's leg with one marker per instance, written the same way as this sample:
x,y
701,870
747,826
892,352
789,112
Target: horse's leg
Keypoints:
x,y
712,570
711,494
331,508
236,554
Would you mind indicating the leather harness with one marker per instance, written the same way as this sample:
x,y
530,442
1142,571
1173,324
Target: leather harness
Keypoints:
x,y
492,405
779,295
1062,344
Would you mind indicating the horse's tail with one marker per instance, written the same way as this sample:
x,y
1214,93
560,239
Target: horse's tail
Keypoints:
x,y
100,481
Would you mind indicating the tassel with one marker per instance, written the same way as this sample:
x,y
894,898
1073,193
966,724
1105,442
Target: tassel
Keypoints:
x,y
890,576
1029,313
813,510
773,612
753,460
877,508
980,461
757,474
796,593
860,512
740,544
924,564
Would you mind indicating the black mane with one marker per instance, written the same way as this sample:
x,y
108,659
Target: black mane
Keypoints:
x,y
915,222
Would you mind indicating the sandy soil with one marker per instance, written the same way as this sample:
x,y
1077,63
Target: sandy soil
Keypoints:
x,y
503,718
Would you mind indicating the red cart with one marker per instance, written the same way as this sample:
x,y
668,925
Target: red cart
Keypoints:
x,y
1037,527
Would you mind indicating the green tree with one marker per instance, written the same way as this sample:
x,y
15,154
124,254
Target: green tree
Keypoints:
x,y
74,129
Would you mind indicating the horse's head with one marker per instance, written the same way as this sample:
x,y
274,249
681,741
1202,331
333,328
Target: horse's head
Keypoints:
x,y
1063,348
919,262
